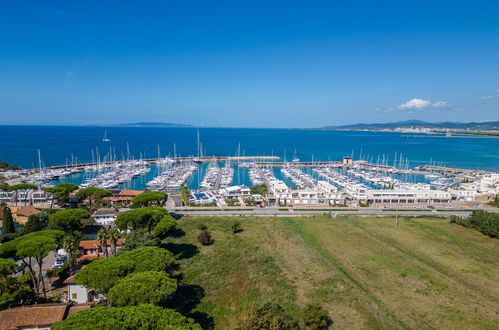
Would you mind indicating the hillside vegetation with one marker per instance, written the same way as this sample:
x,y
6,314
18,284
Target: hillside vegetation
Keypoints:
x,y
365,272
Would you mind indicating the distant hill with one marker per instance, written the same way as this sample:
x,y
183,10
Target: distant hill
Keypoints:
x,y
154,124
490,125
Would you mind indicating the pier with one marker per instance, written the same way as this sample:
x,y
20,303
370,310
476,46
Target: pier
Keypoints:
x,y
177,159
290,164
453,170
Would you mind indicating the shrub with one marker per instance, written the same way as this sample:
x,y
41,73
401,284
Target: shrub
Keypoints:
x,y
236,226
249,201
485,222
202,226
316,318
204,237
268,316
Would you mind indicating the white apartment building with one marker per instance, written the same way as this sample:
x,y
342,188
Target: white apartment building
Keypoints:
x,y
105,217
29,197
236,192
409,196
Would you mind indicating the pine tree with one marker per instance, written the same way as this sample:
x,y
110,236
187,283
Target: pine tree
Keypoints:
x,y
8,222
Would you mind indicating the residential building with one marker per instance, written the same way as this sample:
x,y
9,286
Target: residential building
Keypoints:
x,y
79,294
122,196
105,217
37,317
236,191
92,249
22,214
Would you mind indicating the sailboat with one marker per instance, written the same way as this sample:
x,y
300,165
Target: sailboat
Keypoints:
x,y
105,138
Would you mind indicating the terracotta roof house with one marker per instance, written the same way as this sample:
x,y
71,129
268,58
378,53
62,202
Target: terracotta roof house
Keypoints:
x,y
22,214
122,196
36,316
91,249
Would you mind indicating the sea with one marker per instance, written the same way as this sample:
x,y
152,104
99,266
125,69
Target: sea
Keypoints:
x,y
59,145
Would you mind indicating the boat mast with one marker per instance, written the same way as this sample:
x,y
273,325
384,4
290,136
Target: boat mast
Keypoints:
x,y
199,145
39,161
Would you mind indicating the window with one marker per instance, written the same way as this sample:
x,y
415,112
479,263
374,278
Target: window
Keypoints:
x,y
74,296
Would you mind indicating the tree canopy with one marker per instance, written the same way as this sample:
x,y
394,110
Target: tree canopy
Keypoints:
x,y
28,242
150,287
137,239
8,226
23,187
259,189
7,167
144,217
165,225
36,222
93,193
70,220
35,246
13,291
7,266
127,318
316,318
149,197
485,222
103,274
62,190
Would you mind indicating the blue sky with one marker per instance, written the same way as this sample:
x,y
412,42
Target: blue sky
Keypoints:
x,y
248,63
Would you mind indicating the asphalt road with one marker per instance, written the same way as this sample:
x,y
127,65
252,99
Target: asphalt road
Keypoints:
x,y
359,211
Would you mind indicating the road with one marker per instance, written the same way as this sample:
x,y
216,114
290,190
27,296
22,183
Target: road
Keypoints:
x,y
282,212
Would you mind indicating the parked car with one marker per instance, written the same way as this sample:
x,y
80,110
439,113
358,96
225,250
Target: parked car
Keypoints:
x,y
56,266
431,207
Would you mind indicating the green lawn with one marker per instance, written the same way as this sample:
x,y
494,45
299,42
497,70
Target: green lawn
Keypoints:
x,y
367,272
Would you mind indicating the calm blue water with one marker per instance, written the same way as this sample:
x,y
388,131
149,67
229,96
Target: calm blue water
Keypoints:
x,y
57,144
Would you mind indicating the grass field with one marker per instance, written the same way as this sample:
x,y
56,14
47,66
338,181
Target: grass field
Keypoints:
x,y
366,272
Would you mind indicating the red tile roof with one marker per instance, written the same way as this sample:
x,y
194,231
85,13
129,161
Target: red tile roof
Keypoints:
x,y
93,244
36,315
27,211
126,192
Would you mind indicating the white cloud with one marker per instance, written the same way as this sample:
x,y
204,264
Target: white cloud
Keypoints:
x,y
414,104
420,104
440,104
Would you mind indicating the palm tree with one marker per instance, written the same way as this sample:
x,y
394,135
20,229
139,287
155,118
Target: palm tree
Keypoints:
x,y
102,237
114,236
70,243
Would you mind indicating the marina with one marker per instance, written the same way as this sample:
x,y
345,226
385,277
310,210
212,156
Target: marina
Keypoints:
x,y
172,178
305,180
356,180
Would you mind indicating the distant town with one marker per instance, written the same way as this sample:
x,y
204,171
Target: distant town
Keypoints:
x,y
416,126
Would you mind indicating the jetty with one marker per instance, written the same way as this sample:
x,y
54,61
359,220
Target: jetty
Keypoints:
x,y
235,159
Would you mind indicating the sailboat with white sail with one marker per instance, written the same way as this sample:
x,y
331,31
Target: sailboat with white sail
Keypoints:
x,y
105,138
